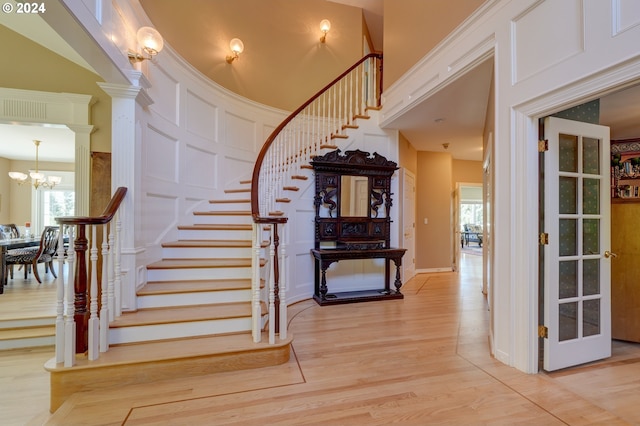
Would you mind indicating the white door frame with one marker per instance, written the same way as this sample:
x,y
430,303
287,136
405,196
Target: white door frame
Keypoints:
x,y
408,215
524,172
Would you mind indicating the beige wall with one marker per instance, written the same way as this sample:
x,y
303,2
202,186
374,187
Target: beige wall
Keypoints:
x,y
433,240
413,27
466,171
29,66
408,156
4,190
17,203
283,63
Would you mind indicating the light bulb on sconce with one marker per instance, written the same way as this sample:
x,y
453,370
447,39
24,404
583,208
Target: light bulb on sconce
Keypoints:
x,y
151,43
236,47
325,26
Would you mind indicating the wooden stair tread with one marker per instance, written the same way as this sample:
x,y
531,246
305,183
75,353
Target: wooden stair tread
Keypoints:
x,y
193,286
177,314
27,332
223,213
207,243
173,349
200,263
229,201
237,190
220,227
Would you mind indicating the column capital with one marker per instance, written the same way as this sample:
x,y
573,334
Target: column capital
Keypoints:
x,y
124,91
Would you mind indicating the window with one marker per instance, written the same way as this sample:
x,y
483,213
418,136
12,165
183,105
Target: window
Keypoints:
x,y
471,213
47,204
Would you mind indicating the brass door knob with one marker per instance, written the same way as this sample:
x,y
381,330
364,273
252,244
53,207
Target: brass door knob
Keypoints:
x,y
608,254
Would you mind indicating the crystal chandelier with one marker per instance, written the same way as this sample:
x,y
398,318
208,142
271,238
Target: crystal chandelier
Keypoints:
x,y
37,179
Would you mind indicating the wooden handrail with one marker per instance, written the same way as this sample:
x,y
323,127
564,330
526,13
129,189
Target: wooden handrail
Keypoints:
x,y
106,216
255,208
80,274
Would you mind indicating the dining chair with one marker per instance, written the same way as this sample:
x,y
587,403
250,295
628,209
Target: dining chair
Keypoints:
x,y
12,229
30,258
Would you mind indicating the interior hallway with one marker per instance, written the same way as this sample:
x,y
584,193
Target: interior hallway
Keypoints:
x,y
421,360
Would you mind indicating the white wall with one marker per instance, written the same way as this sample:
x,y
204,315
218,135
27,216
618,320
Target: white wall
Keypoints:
x,y
549,55
191,139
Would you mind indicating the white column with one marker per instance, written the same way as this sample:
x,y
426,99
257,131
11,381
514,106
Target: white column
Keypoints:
x,y
125,171
82,167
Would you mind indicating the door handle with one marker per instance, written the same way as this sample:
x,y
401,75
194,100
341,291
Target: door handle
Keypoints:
x,y
608,254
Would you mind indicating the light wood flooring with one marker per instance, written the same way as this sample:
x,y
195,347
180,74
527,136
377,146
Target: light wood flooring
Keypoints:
x,y
421,360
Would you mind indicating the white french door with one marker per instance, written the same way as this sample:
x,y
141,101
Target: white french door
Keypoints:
x,y
577,268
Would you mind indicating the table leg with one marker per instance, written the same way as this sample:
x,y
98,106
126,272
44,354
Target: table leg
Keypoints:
x,y
398,282
3,270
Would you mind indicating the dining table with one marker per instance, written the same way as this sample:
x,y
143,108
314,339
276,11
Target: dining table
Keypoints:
x,y
10,244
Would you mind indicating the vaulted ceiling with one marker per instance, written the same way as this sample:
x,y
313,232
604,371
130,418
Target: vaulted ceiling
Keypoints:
x,y
454,116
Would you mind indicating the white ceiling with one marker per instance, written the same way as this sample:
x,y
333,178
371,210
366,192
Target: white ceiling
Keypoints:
x,y
453,116
57,143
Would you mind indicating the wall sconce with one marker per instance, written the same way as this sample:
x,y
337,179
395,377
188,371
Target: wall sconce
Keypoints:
x,y
151,42
237,47
325,26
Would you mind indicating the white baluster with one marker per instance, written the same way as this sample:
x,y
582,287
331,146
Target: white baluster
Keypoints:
x,y
117,280
69,323
283,285
60,283
104,290
93,326
110,270
272,296
256,314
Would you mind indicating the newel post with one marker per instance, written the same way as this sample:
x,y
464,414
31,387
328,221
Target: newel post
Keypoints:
x,y
81,315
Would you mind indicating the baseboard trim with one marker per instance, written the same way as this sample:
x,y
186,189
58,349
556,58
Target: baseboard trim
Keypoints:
x,y
433,270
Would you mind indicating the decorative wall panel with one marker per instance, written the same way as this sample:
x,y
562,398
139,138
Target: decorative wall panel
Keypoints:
x,y
201,117
240,132
626,15
200,167
547,34
164,92
158,217
235,169
160,156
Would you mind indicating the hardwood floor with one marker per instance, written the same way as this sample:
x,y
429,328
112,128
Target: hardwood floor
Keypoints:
x,y
421,360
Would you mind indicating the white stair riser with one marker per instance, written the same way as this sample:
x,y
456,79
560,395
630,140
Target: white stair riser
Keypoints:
x,y
145,333
197,274
206,252
244,219
27,322
187,299
225,207
29,342
214,234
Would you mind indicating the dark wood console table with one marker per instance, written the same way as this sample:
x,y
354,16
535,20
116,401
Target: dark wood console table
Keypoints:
x,y
324,259
352,204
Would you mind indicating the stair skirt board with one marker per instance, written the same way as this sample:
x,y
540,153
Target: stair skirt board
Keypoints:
x,y
187,299
86,377
148,333
28,342
205,252
214,234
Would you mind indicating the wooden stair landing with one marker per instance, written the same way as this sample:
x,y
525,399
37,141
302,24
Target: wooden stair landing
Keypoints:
x,y
153,361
